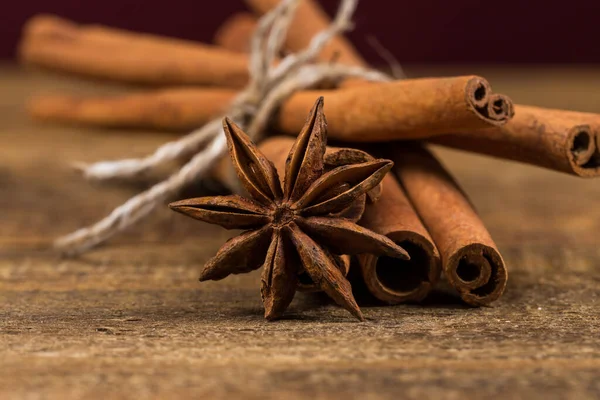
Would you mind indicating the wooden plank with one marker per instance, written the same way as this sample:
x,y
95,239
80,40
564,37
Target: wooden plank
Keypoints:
x,y
130,319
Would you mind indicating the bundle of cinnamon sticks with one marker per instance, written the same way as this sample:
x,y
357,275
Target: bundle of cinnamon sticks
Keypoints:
x,y
421,206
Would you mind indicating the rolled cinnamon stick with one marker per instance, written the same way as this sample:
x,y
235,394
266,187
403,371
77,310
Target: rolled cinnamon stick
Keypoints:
x,y
407,109
472,96
565,141
390,280
178,109
495,109
309,20
470,258
118,55
48,25
235,32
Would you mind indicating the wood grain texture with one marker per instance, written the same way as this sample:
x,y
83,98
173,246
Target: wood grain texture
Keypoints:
x,y
130,319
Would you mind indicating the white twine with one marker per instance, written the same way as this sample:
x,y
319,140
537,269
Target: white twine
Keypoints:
x,y
268,86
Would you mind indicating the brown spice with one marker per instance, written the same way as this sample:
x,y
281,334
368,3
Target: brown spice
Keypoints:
x,y
408,109
390,280
48,25
275,149
565,141
478,96
176,109
235,32
295,225
118,55
470,259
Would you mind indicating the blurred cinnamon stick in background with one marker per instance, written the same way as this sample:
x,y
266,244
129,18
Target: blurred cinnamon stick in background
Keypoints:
x,y
565,141
470,259
48,25
235,32
113,54
407,109
174,109
310,19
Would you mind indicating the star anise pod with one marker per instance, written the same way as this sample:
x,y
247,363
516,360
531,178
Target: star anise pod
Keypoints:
x,y
296,228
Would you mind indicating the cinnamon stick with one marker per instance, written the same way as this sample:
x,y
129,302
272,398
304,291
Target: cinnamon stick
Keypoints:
x,y
309,20
235,32
497,107
470,258
48,25
179,109
391,280
118,55
564,141
407,109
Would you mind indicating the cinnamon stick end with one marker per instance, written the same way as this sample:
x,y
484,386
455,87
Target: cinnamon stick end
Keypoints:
x,y
584,151
478,273
496,109
396,281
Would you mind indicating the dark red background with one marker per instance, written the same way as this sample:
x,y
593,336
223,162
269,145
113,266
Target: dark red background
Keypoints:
x,y
416,31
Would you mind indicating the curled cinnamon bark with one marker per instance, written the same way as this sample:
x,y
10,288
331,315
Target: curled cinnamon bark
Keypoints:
x,y
118,55
235,33
565,141
398,281
407,109
470,258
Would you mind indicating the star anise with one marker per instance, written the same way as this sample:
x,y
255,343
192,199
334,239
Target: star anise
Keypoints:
x,y
295,229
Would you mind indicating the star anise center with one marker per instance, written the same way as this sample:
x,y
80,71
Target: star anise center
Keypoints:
x,y
282,215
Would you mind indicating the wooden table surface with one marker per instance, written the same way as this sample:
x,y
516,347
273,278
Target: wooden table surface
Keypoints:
x,y
131,319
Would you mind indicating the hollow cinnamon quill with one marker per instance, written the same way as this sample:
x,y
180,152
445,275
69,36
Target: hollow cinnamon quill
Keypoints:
x,y
565,141
399,281
118,55
407,109
470,258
